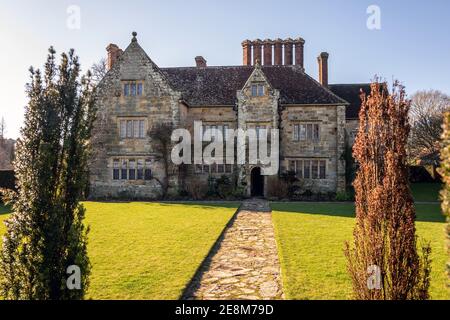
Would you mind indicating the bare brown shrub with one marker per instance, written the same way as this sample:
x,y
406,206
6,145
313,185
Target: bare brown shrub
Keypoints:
x,y
385,234
198,189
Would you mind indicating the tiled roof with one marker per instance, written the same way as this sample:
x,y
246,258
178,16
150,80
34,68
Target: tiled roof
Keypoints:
x,y
350,93
212,86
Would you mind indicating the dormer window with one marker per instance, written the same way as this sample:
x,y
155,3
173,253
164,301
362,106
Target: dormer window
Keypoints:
x,y
257,90
132,88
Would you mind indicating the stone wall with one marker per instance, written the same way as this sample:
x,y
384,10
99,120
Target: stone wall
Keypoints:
x,y
157,104
256,111
328,147
351,128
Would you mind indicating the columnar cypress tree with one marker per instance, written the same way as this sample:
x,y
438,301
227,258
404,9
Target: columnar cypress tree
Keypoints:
x,y
384,235
445,173
45,234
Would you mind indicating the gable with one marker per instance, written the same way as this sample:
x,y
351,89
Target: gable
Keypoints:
x,y
135,64
256,77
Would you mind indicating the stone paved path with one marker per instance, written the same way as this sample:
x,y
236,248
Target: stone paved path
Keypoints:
x,y
244,263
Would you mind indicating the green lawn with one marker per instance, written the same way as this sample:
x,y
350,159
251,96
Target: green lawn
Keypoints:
x,y
150,251
144,250
311,239
423,191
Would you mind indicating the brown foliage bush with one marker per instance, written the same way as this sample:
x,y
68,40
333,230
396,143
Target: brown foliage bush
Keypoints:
x,y
384,235
198,189
277,189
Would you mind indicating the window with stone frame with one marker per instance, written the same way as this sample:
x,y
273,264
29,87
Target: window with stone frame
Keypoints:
x,y
296,133
308,168
116,169
322,169
214,129
129,128
148,169
132,88
132,128
226,128
124,171
132,169
257,90
296,166
306,132
140,169
314,169
123,129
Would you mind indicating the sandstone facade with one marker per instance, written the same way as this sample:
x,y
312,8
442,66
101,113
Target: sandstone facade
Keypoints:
x,y
136,94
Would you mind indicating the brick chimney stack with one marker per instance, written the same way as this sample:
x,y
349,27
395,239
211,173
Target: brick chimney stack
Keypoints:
x,y
200,62
247,52
267,52
114,53
257,51
288,52
278,52
299,54
323,68
262,51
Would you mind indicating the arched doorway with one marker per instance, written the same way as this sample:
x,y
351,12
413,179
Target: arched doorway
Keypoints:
x,y
257,182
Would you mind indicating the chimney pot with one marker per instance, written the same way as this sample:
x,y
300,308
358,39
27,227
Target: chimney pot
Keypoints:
x,y
323,68
247,52
288,46
257,50
267,52
200,62
113,53
278,52
299,52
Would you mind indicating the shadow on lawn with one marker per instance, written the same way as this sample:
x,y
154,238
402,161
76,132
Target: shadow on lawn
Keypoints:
x,y
204,205
196,203
424,212
194,284
4,209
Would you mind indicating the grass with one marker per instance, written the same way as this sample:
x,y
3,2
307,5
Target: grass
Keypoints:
x,y
311,239
151,250
144,250
423,191
4,213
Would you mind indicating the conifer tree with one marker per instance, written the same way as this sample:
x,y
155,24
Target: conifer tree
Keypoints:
x,y
45,233
383,261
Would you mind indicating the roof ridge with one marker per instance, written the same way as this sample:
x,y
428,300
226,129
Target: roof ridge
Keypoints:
x,y
349,84
205,68
236,66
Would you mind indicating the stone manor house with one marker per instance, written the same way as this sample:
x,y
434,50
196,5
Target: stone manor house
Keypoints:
x,y
270,90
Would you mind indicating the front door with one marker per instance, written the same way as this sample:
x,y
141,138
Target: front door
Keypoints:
x,y
257,182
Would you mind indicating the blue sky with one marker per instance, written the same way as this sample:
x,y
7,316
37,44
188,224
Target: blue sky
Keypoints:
x,y
413,44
